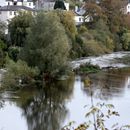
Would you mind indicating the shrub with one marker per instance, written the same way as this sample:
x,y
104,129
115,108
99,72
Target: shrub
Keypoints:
x,y
91,47
18,74
82,29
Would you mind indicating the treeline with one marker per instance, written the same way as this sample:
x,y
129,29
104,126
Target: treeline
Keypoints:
x,y
39,47
108,29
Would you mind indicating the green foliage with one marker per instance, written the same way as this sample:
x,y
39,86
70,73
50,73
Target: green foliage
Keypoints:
x,y
48,49
92,47
82,29
13,53
76,50
87,68
2,53
94,41
2,45
67,20
18,28
102,34
2,30
126,40
2,58
18,74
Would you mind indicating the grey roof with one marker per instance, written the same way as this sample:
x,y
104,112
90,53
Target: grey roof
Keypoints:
x,y
80,11
20,0
15,8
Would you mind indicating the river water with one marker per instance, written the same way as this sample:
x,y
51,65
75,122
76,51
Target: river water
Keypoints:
x,y
61,102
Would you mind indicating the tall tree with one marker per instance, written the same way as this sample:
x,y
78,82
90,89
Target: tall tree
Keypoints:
x,y
113,11
92,11
67,20
18,28
47,45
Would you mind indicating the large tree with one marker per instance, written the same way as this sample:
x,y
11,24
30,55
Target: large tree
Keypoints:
x,y
47,44
18,28
67,20
113,11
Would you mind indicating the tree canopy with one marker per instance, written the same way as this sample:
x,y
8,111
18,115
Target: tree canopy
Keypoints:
x,y
47,44
18,28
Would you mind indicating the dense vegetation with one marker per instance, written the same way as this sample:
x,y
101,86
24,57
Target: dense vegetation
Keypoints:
x,y
49,40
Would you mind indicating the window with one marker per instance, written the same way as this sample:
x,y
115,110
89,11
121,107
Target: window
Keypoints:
x,y
14,13
29,4
10,12
79,19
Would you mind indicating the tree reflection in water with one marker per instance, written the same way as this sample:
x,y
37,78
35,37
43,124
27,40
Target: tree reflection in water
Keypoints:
x,y
46,110
108,84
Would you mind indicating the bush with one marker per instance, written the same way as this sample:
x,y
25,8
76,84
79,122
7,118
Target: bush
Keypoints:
x,y
91,47
2,53
87,68
18,74
82,29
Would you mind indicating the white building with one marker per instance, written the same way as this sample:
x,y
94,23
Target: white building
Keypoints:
x,y
128,8
48,5
79,16
27,3
12,7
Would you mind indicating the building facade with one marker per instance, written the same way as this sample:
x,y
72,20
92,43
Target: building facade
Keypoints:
x,y
48,5
27,3
12,8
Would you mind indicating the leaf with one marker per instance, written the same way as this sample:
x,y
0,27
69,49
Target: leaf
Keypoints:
x,y
86,106
115,113
110,106
71,123
114,125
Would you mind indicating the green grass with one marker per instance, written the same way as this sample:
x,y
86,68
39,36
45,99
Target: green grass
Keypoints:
x,y
87,68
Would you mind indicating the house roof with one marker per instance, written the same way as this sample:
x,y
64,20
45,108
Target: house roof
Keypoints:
x,y
80,11
20,0
15,8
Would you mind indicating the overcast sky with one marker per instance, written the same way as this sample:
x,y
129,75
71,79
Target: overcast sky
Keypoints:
x,y
2,2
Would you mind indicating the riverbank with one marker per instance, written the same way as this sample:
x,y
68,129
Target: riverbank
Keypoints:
x,y
103,61
86,65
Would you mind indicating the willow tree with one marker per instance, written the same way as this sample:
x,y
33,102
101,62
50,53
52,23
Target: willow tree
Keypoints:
x,y
47,45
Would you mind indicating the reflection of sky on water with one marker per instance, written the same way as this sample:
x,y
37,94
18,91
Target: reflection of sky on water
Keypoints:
x,y
117,93
11,118
68,105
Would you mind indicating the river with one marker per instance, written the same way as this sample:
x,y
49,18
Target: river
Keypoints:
x,y
61,102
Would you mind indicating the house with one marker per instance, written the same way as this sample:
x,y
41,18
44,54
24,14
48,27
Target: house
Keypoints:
x,y
127,10
48,5
79,16
12,8
27,3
